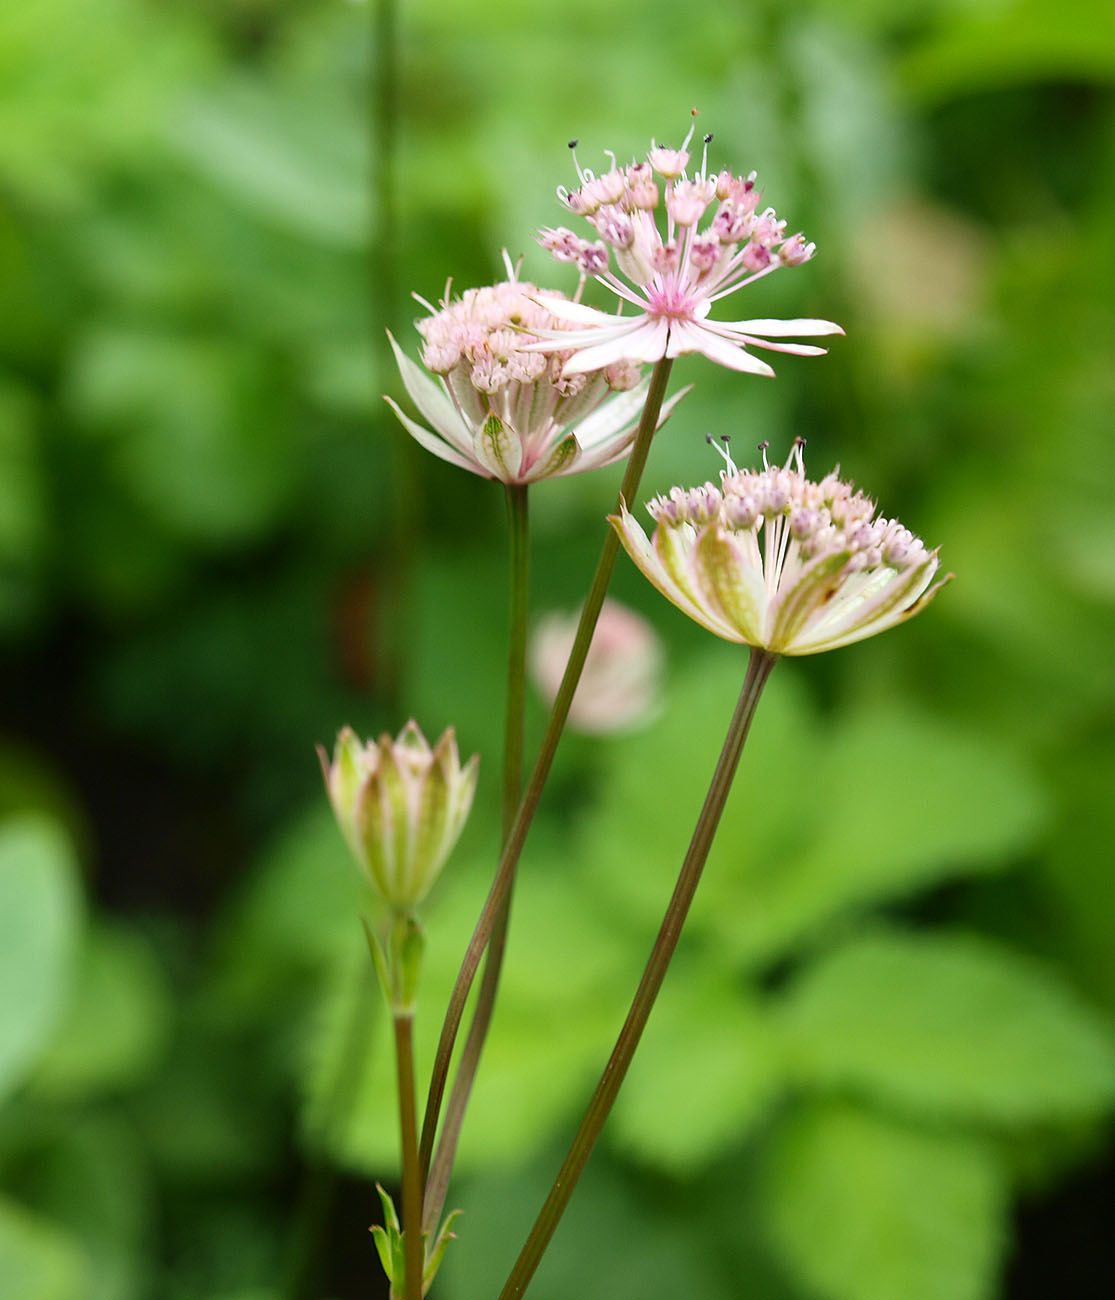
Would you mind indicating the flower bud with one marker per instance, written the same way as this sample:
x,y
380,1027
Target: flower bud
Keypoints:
x,y
401,807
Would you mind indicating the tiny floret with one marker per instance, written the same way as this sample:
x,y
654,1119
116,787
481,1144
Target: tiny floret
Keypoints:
x,y
771,559
401,806
680,243
502,409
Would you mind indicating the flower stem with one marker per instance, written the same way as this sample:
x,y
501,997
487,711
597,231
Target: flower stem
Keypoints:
x,y
758,670
509,858
437,1183
412,1183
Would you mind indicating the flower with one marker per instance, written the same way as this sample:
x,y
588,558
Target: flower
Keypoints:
x,y
620,685
674,278
825,572
505,412
401,807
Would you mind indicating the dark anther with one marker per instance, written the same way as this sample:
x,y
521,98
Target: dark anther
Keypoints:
x,y
764,445
708,138
574,143
709,439
726,439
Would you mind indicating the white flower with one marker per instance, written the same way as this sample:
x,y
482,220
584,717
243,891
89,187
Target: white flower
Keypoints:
x,y
504,411
772,560
673,274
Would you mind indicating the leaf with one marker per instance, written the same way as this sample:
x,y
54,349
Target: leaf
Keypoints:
x,y
952,1026
822,820
863,1208
39,916
91,1179
37,1260
117,1022
537,1069
706,1070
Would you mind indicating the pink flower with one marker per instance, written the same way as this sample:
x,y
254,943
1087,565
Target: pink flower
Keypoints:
x,y
502,410
770,559
673,272
621,682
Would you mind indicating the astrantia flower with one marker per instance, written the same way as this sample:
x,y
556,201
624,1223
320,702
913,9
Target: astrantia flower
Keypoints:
x,y
503,411
622,679
770,559
674,271
401,807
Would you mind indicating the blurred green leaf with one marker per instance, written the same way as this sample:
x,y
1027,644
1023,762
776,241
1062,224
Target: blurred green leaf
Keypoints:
x,y
295,158
949,1025
217,462
37,1260
537,1068
895,801
118,1021
1002,44
39,918
92,1180
864,1208
707,1069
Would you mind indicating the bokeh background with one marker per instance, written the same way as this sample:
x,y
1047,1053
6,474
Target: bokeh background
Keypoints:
x,y
884,1066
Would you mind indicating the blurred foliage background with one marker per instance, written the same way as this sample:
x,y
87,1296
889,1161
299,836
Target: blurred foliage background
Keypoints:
x,y
884,1066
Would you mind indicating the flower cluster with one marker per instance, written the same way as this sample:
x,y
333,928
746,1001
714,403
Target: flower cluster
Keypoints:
x,y
504,410
401,807
674,269
770,559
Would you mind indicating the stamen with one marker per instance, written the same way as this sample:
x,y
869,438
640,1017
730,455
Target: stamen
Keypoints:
x,y
796,456
723,451
763,446
704,154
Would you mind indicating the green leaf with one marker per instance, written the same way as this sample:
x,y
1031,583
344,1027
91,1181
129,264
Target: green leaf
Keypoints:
x,y
39,916
37,1260
823,820
706,1070
862,1208
117,1023
90,1177
536,1069
953,1026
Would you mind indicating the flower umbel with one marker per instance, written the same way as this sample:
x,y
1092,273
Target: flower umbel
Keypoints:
x,y
773,560
673,273
504,411
401,807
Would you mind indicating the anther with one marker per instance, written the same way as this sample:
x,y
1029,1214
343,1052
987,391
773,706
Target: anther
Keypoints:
x,y
763,446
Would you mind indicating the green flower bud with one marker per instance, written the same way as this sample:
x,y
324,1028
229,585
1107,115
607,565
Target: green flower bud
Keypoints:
x,y
401,807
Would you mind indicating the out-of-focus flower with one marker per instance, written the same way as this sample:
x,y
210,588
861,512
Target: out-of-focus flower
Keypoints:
x,y
621,682
770,559
503,411
674,272
401,807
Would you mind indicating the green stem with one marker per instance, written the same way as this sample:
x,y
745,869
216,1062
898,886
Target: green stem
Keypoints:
x,y
758,670
437,1183
505,874
412,1182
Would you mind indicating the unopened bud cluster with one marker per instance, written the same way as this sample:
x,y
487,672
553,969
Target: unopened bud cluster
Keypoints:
x,y
401,806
